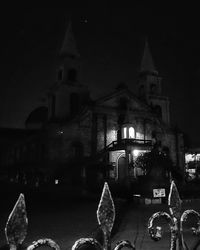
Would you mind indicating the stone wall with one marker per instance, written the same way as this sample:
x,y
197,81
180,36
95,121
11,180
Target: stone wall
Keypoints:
x,y
112,128
100,132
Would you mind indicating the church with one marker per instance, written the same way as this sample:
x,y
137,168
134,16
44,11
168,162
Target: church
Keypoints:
x,y
78,138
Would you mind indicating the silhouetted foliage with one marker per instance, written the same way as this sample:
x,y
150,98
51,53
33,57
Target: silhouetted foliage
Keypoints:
x,y
154,160
158,165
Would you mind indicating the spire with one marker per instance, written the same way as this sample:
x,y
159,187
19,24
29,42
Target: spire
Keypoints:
x,y
147,64
68,47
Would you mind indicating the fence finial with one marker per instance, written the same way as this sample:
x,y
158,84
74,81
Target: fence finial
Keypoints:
x,y
16,226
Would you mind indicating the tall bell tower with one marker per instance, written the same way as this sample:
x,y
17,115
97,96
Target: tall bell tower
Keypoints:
x,y
69,58
150,86
68,95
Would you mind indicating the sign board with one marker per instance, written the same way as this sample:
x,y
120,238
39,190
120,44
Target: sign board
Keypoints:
x,y
159,192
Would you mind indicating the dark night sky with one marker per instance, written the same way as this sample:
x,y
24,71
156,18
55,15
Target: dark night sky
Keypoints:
x,y
110,41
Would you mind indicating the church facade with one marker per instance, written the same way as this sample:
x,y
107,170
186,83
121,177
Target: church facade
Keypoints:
x,y
114,129
106,135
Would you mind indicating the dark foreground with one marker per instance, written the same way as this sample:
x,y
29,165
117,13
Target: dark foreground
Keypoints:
x,y
68,216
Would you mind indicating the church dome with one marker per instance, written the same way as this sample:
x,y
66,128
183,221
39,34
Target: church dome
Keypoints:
x,y
37,118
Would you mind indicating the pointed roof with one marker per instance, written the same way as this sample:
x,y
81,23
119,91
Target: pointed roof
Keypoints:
x,y
147,64
68,47
125,92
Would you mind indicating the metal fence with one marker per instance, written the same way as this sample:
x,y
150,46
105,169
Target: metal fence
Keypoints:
x,y
16,226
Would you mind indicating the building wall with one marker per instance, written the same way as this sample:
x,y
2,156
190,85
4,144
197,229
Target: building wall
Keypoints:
x,y
112,128
169,140
85,128
100,132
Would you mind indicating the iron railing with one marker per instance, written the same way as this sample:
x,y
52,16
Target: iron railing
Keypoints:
x,y
134,142
16,226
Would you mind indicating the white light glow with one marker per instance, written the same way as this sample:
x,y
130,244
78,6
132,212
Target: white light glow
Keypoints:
x,y
139,136
60,132
137,195
111,135
131,132
125,133
136,152
56,182
198,157
189,157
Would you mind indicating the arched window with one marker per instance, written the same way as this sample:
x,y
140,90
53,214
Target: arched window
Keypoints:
x,y
131,133
128,132
153,88
72,75
158,110
125,132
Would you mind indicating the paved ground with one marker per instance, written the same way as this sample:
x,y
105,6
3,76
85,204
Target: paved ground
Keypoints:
x,y
66,220
134,227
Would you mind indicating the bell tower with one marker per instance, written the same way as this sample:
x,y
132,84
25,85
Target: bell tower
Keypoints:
x,y
69,60
68,95
150,86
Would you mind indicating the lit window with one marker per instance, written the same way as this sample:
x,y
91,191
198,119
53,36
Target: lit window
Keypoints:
x,y
125,132
128,132
131,132
198,157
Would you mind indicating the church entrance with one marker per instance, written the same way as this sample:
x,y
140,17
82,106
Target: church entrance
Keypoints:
x,y
121,169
